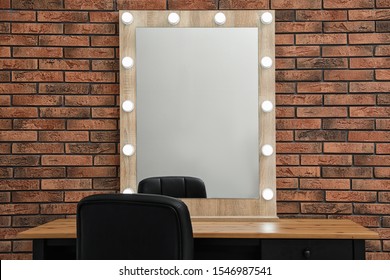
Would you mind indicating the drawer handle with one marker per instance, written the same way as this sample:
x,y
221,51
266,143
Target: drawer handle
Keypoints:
x,y
307,253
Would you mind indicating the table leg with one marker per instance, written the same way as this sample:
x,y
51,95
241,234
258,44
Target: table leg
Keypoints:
x,y
54,249
359,250
38,249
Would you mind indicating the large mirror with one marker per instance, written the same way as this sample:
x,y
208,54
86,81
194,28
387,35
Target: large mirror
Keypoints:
x,y
197,95
197,107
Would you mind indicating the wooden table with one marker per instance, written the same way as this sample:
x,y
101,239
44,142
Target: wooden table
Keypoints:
x,y
280,239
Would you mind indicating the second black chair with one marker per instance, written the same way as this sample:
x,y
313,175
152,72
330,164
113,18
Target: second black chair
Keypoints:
x,y
175,186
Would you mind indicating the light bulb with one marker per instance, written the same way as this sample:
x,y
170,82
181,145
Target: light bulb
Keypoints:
x,y
266,62
220,18
267,194
267,150
127,62
128,191
267,106
173,18
128,150
266,18
127,106
127,18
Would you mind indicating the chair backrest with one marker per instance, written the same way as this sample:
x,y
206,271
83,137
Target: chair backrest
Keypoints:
x,y
175,186
133,226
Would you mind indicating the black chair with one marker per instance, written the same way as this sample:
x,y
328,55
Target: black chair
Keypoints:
x,y
133,227
175,186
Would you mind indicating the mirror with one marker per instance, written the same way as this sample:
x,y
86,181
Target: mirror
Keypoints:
x,y
197,107
197,95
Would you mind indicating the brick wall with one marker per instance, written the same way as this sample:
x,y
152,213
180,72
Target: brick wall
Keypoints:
x,y
59,109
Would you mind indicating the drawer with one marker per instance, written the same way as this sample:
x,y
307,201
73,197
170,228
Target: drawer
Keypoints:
x,y
226,249
307,249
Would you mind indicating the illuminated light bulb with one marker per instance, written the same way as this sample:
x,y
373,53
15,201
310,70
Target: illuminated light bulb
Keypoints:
x,y
267,194
267,150
128,150
173,18
127,106
266,62
266,18
220,18
267,106
128,191
127,18
127,62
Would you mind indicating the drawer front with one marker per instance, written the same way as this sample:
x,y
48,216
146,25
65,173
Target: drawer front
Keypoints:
x,y
307,249
226,249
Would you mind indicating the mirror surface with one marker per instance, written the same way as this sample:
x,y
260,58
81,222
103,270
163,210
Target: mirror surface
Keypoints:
x,y
197,107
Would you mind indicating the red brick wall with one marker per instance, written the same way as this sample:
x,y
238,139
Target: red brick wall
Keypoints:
x,y
59,109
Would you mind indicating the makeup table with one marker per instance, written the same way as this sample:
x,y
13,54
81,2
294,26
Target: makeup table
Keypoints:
x,y
234,239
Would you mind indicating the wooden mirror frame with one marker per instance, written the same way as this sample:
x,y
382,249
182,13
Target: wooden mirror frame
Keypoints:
x,y
215,207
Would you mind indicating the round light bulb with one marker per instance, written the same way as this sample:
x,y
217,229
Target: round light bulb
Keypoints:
x,y
173,18
127,62
127,106
128,191
266,62
266,18
220,18
128,150
267,194
267,150
267,106
127,18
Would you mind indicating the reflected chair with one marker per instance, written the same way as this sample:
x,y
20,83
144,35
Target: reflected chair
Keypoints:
x,y
133,227
175,186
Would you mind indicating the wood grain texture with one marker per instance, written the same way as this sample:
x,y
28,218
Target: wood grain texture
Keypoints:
x,y
282,228
267,165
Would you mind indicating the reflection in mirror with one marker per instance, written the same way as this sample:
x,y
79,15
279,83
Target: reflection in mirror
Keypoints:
x,y
197,107
174,186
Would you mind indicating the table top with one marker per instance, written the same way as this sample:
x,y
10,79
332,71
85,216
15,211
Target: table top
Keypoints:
x,y
279,229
